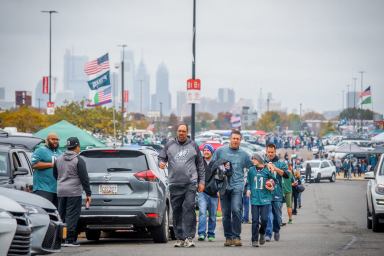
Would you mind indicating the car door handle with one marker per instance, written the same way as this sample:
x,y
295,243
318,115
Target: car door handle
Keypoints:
x,y
107,200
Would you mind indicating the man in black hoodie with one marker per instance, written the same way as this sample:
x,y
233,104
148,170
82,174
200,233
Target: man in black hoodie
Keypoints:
x,y
72,177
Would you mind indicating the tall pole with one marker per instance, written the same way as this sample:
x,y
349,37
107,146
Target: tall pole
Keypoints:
x,y
50,52
193,69
342,99
122,95
361,100
354,103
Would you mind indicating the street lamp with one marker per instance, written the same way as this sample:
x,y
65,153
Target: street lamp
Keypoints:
x,y
193,69
50,50
122,94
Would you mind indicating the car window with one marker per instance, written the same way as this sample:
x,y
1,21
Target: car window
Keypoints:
x,y
23,160
120,160
381,169
314,164
3,164
16,160
324,165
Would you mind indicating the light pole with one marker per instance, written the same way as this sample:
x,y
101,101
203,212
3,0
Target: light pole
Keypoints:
x,y
50,51
361,100
193,69
354,103
122,94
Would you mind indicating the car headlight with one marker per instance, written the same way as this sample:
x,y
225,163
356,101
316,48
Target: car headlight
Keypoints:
x,y
5,214
379,189
32,209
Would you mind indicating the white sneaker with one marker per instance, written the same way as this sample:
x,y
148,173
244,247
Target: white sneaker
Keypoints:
x,y
189,242
179,243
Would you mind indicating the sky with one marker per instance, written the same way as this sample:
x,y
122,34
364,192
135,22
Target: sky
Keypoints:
x,y
301,51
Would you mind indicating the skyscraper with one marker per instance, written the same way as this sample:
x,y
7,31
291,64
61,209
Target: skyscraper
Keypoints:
x,y
75,79
226,98
162,94
182,108
2,93
129,80
141,89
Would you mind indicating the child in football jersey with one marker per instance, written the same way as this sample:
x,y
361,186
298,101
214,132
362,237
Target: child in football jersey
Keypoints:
x,y
259,188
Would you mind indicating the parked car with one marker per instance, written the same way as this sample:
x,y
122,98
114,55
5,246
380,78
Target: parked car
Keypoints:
x,y
375,196
46,225
14,228
320,170
129,192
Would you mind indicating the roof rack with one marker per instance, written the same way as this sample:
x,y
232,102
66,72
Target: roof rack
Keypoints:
x,y
13,145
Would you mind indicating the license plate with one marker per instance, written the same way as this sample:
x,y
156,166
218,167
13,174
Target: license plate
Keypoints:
x,y
107,189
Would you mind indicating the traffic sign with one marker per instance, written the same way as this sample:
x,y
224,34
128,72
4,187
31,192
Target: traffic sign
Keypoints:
x,y
193,91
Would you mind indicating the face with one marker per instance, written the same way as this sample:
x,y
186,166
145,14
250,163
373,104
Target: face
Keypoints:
x,y
182,133
271,153
234,141
53,141
255,162
207,154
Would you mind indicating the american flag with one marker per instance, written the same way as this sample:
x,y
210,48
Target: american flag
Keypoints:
x,y
105,95
95,66
366,92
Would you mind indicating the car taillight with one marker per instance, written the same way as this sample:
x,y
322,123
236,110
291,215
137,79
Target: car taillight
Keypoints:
x,y
152,215
147,175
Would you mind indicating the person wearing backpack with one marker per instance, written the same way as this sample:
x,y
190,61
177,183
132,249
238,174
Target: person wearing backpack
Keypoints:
x,y
207,200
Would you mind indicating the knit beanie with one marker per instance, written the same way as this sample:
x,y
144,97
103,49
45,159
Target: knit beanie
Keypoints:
x,y
209,147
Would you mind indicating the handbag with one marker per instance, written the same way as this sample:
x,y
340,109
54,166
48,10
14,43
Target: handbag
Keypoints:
x,y
300,188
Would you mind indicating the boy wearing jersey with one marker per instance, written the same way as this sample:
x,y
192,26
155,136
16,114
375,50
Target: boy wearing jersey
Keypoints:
x,y
260,198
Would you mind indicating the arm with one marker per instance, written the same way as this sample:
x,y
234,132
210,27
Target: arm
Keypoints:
x,y
55,174
200,166
83,175
282,171
163,156
37,162
42,165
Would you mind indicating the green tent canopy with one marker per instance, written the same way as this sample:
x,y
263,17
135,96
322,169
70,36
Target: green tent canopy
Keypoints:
x,y
65,130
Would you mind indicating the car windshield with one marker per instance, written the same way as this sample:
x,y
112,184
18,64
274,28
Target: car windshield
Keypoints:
x,y
381,169
314,164
101,161
3,164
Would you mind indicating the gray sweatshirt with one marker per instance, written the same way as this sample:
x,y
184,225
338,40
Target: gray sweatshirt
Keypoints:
x,y
185,162
71,174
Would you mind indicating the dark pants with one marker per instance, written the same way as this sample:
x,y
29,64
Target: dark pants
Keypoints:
x,y
245,209
231,205
307,177
52,197
295,201
70,209
259,217
183,207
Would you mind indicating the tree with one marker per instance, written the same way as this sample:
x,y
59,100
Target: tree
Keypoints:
x,y
269,121
326,128
24,118
313,116
356,113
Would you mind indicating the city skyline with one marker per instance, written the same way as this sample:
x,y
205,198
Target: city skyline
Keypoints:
x,y
301,51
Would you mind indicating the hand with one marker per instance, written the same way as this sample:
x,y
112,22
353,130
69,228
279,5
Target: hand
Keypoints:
x,y
88,200
271,166
248,193
201,188
162,165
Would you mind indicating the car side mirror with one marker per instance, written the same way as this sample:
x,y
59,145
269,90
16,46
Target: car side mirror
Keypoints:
x,y
369,176
20,171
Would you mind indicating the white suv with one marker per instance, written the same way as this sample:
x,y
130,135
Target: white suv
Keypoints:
x,y
375,196
321,169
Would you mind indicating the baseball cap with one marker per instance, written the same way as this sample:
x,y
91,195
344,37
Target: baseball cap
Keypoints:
x,y
72,142
257,157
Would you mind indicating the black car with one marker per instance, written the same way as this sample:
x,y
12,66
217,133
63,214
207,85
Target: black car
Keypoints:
x,y
129,192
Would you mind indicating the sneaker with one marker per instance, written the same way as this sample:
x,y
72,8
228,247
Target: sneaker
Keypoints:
x,y
255,244
267,238
188,243
179,243
262,239
201,238
290,222
237,242
228,242
211,239
276,236
71,244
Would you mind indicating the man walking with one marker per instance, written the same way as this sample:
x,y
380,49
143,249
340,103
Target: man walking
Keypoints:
x,y
44,183
72,178
280,169
308,171
207,201
186,174
231,199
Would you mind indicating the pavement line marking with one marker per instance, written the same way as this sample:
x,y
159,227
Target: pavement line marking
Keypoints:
x,y
346,247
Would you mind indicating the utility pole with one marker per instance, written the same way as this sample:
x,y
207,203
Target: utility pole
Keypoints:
x,y
342,99
361,100
50,52
354,103
122,95
193,69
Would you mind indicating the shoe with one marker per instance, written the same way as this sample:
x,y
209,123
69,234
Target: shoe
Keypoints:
x,y
201,238
276,236
267,239
188,243
283,224
299,206
179,243
71,244
262,239
294,212
211,239
237,242
290,222
228,242
255,244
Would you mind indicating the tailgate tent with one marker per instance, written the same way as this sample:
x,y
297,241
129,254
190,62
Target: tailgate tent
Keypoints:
x,y
65,130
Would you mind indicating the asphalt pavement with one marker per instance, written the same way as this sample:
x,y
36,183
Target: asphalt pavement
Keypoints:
x,y
332,221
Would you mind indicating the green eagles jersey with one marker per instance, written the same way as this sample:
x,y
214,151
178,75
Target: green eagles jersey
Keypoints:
x,y
256,184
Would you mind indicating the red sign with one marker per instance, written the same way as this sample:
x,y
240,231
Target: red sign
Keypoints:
x,y
45,85
126,96
193,84
50,104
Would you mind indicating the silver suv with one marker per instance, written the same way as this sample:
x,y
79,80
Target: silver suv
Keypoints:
x,y
129,192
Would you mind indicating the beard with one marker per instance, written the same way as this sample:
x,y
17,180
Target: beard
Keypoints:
x,y
52,146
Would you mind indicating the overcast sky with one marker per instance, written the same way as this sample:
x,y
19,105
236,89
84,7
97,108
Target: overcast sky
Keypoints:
x,y
302,51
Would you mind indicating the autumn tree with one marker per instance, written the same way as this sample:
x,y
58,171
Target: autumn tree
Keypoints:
x,y
269,121
313,116
24,118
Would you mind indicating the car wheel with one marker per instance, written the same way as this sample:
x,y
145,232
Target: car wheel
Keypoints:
x,y
93,235
317,180
369,221
160,234
375,222
333,178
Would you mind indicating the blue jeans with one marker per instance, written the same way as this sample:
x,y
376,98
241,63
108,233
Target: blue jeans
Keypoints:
x,y
245,209
259,218
231,205
207,203
274,218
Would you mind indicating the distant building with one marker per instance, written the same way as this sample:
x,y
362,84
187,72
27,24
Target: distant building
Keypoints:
x,y
182,107
352,100
64,98
142,90
248,117
129,80
23,98
162,95
2,93
210,105
40,100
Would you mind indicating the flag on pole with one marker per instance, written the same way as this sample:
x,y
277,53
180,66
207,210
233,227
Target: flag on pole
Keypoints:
x,y
45,85
100,81
366,92
95,66
100,97
126,96
367,100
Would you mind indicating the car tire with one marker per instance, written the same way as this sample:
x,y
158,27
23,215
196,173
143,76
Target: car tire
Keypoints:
x,y
318,178
93,235
333,178
375,222
369,221
160,234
